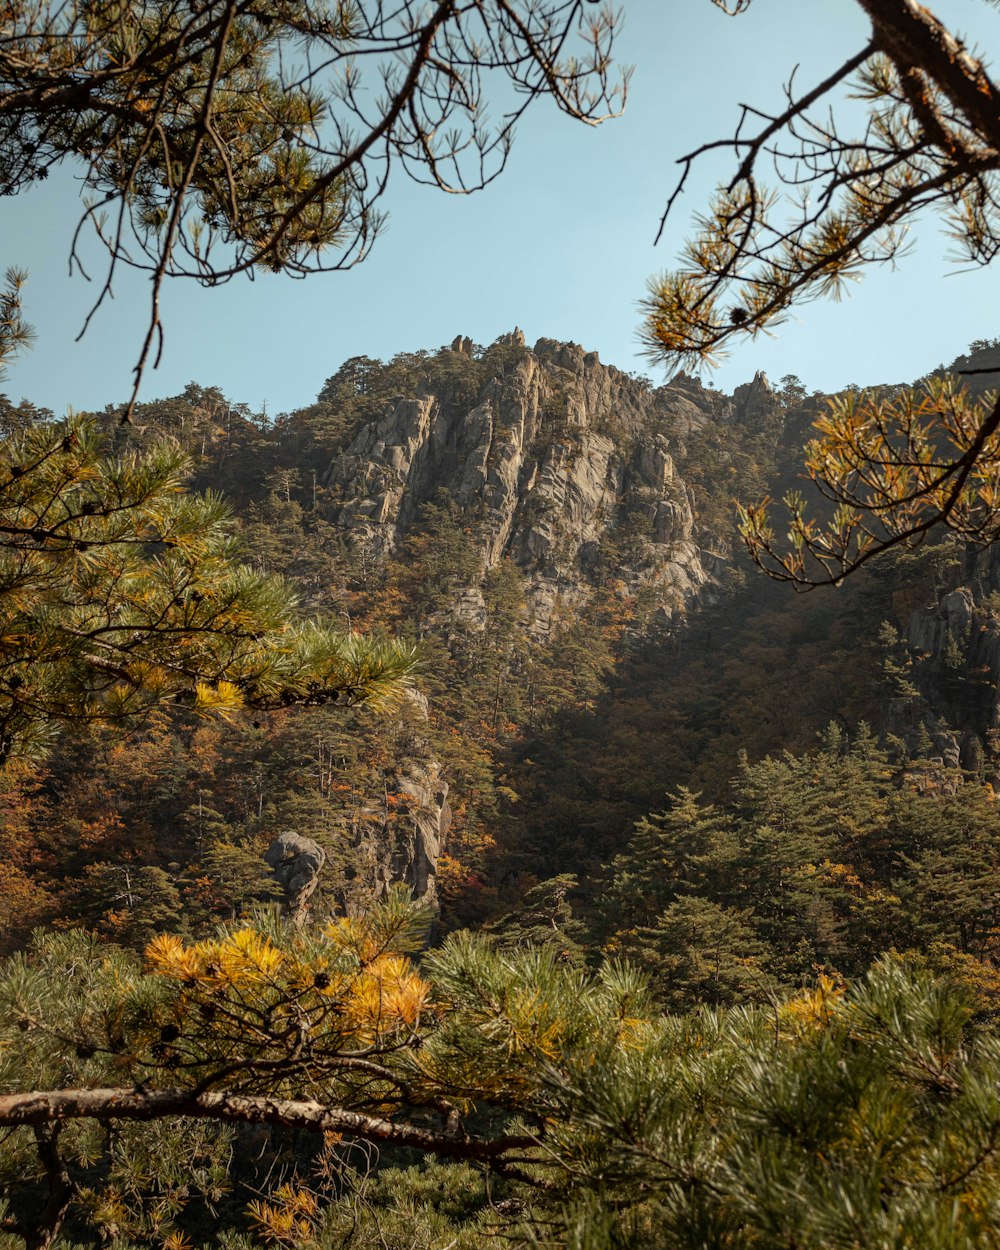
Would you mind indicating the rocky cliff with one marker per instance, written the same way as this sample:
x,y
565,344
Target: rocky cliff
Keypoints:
x,y
401,839
557,462
952,648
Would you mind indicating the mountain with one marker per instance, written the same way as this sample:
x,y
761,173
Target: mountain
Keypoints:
x,y
555,462
560,538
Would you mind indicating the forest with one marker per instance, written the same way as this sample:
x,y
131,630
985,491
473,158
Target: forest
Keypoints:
x,y
429,817
593,820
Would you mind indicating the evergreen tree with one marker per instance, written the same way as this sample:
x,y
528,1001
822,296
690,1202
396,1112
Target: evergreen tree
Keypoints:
x,y
544,919
688,849
121,593
839,1116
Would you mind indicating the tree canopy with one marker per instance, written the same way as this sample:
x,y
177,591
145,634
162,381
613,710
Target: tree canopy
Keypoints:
x,y
221,136
813,200
836,1117
120,592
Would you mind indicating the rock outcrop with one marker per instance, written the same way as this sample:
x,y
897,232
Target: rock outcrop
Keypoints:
x,y
564,467
296,863
953,645
559,463
401,840
398,837
755,402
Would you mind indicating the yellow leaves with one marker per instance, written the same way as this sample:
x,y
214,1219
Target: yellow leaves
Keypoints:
x,y
302,973
536,1024
812,1009
224,698
387,994
351,935
167,956
251,951
108,1209
291,1220
634,1033
177,1241
325,988
243,958
841,874
893,463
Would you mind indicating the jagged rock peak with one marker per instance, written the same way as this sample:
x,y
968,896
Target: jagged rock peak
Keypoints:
x,y
687,382
465,346
462,345
556,462
755,402
570,356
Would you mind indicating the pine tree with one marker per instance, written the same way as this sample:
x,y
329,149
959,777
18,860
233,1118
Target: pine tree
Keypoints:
x,y
120,593
544,919
839,1116
688,849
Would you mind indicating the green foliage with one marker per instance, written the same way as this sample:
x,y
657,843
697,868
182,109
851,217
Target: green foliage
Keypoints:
x,y
244,164
686,1129
544,919
797,221
545,768
836,1116
825,860
121,593
439,558
15,333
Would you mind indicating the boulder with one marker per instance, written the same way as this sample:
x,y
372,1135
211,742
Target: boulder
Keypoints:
x,y
296,863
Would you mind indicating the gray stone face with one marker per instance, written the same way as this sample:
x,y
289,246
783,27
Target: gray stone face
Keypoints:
x,y
296,863
755,402
553,458
403,844
462,345
399,842
954,647
930,628
562,465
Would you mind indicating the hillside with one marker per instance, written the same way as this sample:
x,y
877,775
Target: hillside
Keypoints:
x,y
560,538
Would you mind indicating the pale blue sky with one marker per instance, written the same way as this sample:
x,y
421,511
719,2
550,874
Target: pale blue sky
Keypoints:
x,y
561,245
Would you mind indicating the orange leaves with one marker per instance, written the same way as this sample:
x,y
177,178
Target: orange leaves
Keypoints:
x,y
385,991
453,876
243,958
23,903
291,1220
167,956
387,995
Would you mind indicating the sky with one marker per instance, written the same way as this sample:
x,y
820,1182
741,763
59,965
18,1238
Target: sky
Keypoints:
x,y
562,245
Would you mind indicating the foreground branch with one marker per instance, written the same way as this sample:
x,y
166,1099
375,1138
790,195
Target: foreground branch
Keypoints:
x,y
137,1103
810,205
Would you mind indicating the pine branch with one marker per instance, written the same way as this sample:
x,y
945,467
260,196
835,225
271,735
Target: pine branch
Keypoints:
x,y
139,1103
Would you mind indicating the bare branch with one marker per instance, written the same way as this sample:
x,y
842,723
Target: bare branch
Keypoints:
x,y
54,1106
228,135
838,203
